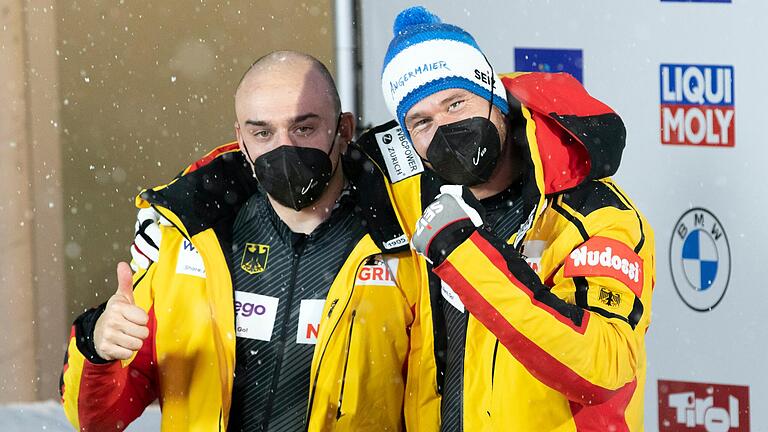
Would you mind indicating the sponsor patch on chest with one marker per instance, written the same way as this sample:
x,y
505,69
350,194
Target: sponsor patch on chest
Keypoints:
x,y
189,261
310,312
255,315
533,250
254,258
602,256
378,272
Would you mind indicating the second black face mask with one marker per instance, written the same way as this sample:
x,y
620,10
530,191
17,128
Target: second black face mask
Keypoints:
x,y
465,152
294,176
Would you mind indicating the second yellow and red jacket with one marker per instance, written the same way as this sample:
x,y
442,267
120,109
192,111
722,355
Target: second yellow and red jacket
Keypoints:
x,y
555,337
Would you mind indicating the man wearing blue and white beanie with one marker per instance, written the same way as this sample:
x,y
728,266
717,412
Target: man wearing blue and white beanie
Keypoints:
x,y
540,268
427,56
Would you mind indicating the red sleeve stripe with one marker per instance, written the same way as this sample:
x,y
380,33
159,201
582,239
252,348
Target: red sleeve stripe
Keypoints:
x,y
608,416
213,154
536,360
501,264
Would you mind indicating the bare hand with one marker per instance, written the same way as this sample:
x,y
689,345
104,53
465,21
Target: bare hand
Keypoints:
x,y
122,327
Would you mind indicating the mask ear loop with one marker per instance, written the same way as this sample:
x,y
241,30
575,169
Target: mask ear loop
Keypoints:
x,y
251,162
493,84
333,143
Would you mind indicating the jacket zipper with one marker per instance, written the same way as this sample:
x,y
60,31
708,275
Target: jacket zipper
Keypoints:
x,y
493,371
322,354
333,305
281,341
346,363
493,365
183,234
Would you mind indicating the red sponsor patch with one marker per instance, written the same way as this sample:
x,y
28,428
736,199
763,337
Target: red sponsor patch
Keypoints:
x,y
376,274
603,256
687,406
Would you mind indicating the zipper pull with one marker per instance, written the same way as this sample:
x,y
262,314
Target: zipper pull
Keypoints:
x,y
333,305
298,242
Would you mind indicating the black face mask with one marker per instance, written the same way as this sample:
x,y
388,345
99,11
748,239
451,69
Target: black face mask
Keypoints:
x,y
295,177
465,152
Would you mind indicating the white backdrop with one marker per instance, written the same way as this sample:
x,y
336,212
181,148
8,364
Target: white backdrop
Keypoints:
x,y
624,44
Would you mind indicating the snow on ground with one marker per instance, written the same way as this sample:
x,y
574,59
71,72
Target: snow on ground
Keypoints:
x,y
49,416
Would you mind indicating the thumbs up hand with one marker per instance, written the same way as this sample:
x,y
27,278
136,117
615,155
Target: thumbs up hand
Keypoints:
x,y
122,327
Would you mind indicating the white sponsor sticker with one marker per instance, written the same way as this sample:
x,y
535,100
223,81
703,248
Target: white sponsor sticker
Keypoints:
x,y
189,261
392,263
399,154
450,295
528,224
400,241
255,315
533,249
310,312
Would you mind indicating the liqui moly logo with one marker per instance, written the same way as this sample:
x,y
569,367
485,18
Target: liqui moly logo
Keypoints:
x,y
686,406
603,256
697,105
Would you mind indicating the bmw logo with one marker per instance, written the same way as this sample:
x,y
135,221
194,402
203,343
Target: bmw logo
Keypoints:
x,y
700,259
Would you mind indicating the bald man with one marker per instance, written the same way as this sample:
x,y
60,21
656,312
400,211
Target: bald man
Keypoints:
x,y
270,305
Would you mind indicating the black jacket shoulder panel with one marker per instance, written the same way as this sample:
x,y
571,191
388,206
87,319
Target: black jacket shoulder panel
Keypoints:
x,y
604,137
591,196
373,204
367,143
205,197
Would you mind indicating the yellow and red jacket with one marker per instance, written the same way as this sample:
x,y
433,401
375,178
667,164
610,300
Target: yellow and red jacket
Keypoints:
x,y
555,337
188,360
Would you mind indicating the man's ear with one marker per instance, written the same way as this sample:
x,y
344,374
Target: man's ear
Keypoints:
x,y
238,136
243,150
346,130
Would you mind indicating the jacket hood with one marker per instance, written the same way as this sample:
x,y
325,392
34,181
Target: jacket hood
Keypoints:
x,y
573,137
205,194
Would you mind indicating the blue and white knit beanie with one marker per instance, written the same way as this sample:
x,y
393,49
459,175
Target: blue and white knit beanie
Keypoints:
x,y
427,56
